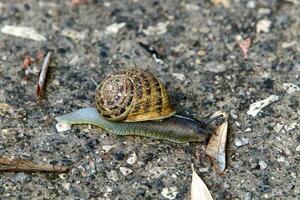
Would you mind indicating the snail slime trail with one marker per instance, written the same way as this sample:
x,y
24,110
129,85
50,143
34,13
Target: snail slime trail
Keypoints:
x,y
135,102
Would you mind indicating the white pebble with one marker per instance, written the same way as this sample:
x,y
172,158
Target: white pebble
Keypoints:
x,y
262,164
170,192
114,28
240,142
251,4
23,32
263,26
291,126
256,107
159,29
125,171
281,159
62,127
298,148
291,89
132,158
248,130
107,148
74,35
66,186
112,175
178,76
215,67
191,7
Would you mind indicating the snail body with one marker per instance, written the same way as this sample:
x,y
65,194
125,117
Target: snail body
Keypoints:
x,y
134,102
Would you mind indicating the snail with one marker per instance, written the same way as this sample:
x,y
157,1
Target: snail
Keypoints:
x,y
135,102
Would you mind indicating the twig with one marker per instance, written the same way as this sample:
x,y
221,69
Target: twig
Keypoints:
x,y
22,165
43,74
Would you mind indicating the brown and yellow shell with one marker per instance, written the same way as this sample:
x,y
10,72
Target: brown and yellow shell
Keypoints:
x,y
133,95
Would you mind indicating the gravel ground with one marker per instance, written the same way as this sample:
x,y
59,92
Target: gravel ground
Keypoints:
x,y
193,47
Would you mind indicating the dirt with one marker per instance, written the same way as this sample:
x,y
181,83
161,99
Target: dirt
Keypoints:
x,y
193,47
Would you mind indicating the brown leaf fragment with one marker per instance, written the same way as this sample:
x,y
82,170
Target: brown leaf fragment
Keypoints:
x,y
43,75
22,165
216,147
199,190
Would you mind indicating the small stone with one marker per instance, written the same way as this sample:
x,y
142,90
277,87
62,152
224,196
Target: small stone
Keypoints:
x,y
264,11
114,28
170,192
263,26
238,124
112,175
174,176
204,169
291,89
125,171
286,45
262,164
191,7
291,126
281,159
132,159
298,148
159,29
248,130
278,127
62,176
107,148
178,76
74,35
62,127
240,142
66,186
233,114
156,172
256,107
215,67
251,4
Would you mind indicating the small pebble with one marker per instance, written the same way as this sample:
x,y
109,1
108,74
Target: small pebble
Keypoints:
x,y
62,127
191,7
178,76
112,175
114,28
291,89
298,148
74,35
66,186
256,107
204,169
125,171
262,164
248,130
263,26
233,114
215,67
159,29
291,126
278,127
132,159
251,4
170,192
264,11
107,148
281,159
240,142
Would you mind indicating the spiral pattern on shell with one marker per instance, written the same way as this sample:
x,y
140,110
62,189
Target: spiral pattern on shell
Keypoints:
x,y
132,95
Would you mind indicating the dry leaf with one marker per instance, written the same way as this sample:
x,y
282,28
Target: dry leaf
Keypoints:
x,y
216,147
199,190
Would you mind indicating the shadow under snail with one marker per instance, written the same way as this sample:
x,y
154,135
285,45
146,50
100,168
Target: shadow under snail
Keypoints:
x,y
134,102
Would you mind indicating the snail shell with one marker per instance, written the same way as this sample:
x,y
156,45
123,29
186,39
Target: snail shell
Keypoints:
x,y
133,95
